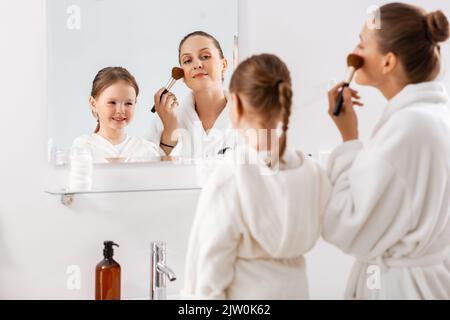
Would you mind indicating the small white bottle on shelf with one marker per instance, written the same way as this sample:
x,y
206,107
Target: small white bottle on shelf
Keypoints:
x,y
81,168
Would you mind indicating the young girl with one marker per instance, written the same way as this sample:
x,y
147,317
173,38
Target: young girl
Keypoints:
x,y
200,127
390,205
257,218
113,100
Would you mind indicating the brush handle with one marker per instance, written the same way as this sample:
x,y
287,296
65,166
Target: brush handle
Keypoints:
x,y
340,100
160,97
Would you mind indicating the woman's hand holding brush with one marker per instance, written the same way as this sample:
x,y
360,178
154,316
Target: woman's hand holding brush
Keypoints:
x,y
165,105
347,121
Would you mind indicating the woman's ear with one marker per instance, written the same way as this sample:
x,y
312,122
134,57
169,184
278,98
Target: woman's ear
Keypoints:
x,y
390,61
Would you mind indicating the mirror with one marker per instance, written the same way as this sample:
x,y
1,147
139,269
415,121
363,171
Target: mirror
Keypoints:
x,y
85,36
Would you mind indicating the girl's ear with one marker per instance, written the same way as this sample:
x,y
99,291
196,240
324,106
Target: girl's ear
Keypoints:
x,y
240,107
92,102
236,111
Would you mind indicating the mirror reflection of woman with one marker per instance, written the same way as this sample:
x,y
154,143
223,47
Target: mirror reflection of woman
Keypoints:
x,y
113,101
390,205
200,125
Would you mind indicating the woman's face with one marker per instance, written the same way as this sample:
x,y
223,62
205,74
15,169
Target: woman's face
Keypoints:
x,y
371,74
203,67
115,106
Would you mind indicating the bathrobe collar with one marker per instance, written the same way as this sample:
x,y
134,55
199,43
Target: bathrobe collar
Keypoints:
x,y
292,159
428,93
222,122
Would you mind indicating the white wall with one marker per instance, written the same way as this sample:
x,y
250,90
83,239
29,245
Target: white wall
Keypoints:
x,y
39,237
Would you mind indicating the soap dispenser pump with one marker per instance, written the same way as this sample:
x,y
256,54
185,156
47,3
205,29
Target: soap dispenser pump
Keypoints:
x,y
107,275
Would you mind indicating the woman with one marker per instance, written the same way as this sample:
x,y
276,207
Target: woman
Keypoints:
x,y
200,127
113,101
390,205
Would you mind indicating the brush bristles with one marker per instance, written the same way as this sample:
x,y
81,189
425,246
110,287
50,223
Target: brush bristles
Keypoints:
x,y
355,61
177,73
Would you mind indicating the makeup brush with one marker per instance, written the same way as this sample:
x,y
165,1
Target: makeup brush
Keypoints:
x,y
177,74
354,62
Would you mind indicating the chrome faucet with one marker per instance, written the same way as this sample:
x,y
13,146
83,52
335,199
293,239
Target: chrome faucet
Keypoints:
x,y
159,271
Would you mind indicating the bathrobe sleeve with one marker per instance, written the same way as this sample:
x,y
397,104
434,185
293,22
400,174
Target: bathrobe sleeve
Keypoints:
x,y
213,243
154,134
155,130
370,208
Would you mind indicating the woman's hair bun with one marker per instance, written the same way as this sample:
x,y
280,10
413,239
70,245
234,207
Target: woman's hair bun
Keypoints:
x,y
438,26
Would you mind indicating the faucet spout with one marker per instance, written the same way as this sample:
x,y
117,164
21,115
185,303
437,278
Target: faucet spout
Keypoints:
x,y
167,271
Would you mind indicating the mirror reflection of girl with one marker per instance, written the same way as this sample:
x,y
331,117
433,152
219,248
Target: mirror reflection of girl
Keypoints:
x,y
256,220
203,115
113,101
390,206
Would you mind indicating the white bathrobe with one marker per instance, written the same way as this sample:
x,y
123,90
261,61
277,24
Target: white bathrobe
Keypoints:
x,y
133,149
194,142
390,205
252,228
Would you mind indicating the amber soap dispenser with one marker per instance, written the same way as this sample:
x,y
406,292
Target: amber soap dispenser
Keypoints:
x,y
107,275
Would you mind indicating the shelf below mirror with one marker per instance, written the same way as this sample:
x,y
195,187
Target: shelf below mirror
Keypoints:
x,y
67,196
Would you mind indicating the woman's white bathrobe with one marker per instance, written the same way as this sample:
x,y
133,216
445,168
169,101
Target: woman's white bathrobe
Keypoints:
x,y
193,141
390,204
133,149
252,228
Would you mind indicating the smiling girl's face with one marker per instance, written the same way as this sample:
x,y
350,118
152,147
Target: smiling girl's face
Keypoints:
x,y
202,63
114,106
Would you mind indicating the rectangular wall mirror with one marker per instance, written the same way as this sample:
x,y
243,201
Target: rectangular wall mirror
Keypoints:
x,y
84,36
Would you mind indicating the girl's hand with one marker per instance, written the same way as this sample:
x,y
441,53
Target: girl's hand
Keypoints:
x,y
347,121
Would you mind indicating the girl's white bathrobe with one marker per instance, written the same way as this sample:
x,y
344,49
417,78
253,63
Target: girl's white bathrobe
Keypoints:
x,y
132,149
390,204
252,227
